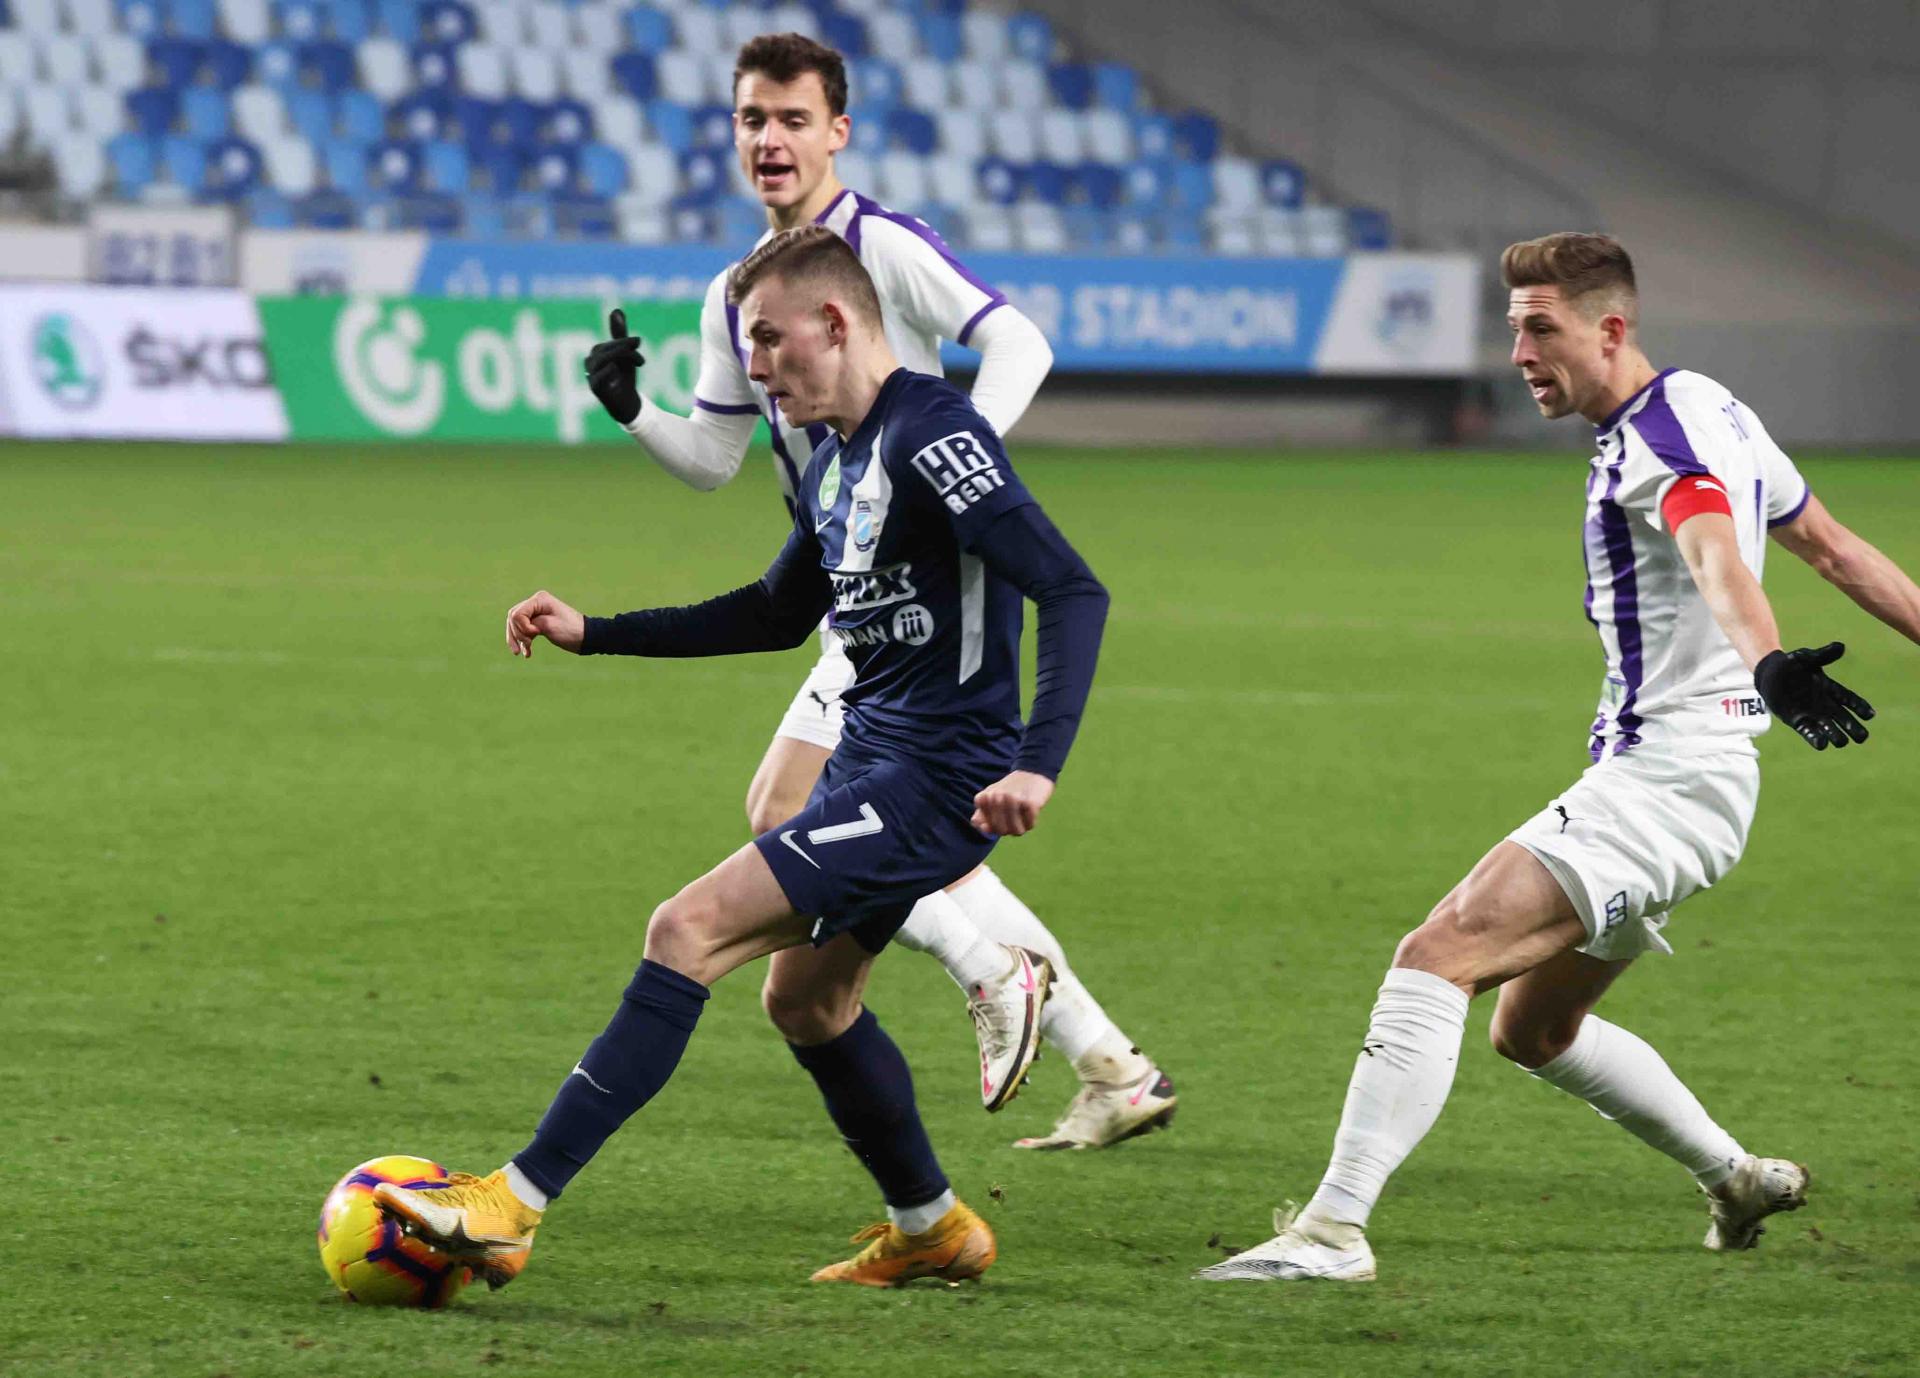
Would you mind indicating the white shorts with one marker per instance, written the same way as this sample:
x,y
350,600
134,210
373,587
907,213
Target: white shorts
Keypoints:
x,y
1639,833
815,713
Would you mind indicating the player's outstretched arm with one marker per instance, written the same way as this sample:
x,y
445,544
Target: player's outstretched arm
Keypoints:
x,y
1014,361
1023,547
1854,567
1794,684
703,450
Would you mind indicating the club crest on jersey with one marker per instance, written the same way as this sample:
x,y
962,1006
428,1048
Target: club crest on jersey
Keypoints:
x,y
872,588
830,484
960,468
864,535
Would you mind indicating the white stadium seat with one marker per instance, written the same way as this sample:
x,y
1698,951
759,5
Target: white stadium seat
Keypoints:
x,y
258,113
483,71
535,74
81,165
1040,228
962,134
585,74
1109,136
9,115
120,61
500,23
699,30
36,16
1279,232
1235,235
653,173
893,36
984,35
1323,231
549,26
1062,136
246,21
743,22
1023,84
289,164
89,18
17,61
49,114
904,183
926,82
99,110
683,76
1236,183
617,121
791,19
596,31
63,59
384,70
975,87
950,178
642,222
720,78
856,170
1013,136
989,229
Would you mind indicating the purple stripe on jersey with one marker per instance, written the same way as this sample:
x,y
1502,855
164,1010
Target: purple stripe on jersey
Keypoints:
x,y
1661,430
733,332
724,409
1613,417
845,192
1618,537
780,449
1798,508
921,228
966,331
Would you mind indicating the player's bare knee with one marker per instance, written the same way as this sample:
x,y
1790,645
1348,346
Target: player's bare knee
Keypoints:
x,y
808,1017
1530,1041
768,807
1451,940
680,933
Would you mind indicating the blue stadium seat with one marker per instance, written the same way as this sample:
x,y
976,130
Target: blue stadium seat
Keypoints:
x,y
141,18
868,138
999,181
703,173
233,169
634,73
1116,86
603,170
205,112
228,63
393,166
448,21
672,124
566,121
1031,37
1048,183
446,167
1181,233
434,65
185,161
401,19
481,218
1368,228
740,222
1196,135
191,18
1146,184
877,81
555,168
153,109
951,8
311,114
588,217
940,36
1283,184
713,126
1099,186
1192,186
517,122
649,30
469,120
303,21
178,60
693,224
328,63
433,213
1089,228
269,210
420,114
913,130
1153,135
359,116
847,33
1071,84
346,165
325,210
132,158
350,20
502,167
278,65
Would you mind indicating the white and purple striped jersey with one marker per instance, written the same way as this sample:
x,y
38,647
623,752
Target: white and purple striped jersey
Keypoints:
x,y
926,295
1673,680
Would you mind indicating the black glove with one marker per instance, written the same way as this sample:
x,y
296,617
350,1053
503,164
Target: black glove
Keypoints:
x,y
612,369
1798,691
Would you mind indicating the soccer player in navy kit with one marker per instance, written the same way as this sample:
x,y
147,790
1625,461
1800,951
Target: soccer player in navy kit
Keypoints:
x,y
913,535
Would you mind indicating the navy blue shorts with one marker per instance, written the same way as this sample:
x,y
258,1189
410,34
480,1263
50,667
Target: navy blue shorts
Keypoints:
x,y
877,834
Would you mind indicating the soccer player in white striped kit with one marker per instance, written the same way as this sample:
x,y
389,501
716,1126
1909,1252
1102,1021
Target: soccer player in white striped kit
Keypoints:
x,y
790,96
1683,494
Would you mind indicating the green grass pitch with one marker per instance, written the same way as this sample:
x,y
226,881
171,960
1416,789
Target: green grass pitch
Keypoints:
x,y
301,867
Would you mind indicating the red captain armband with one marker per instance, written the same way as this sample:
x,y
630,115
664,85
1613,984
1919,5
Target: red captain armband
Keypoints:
x,y
1692,495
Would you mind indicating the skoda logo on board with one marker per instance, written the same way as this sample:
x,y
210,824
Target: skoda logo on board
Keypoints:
x,y
67,361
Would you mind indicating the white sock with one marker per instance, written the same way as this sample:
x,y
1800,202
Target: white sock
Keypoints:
x,y
1621,1076
941,929
1400,1081
1072,1020
521,1186
920,1219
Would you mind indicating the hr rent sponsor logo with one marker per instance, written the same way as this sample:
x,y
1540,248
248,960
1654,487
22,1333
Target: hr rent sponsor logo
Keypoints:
x,y
961,470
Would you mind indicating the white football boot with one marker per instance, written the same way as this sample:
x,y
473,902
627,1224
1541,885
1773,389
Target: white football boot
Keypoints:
x,y
1006,1021
1304,1249
1103,1114
1759,1187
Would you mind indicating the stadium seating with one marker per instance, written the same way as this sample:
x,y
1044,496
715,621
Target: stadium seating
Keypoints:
x,y
599,118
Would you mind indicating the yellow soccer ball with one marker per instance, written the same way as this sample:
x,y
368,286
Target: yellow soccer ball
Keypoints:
x,y
364,1250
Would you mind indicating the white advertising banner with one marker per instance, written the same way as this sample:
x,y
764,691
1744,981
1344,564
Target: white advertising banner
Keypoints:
x,y
299,263
136,363
1402,313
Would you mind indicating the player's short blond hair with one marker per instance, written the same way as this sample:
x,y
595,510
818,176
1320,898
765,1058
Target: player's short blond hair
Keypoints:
x,y
812,254
1592,271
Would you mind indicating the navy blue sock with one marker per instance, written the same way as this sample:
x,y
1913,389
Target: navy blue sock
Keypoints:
x,y
619,1073
869,1093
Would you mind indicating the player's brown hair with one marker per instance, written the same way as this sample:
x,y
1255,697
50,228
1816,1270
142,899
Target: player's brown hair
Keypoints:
x,y
787,56
1592,271
809,253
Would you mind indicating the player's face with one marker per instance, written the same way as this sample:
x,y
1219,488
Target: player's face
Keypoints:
x,y
785,135
1561,354
792,350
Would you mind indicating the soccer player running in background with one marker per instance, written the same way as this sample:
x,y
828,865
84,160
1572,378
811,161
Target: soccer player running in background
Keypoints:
x,y
790,98
914,537
1681,498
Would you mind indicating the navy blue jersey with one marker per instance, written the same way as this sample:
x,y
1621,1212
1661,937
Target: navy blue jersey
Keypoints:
x,y
933,634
